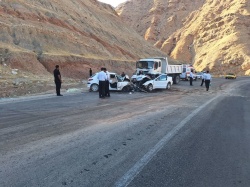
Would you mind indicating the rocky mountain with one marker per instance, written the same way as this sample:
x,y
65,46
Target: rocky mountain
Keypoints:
x,y
210,34
35,35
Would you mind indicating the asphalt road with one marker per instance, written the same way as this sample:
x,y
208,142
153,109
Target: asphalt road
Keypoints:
x,y
181,137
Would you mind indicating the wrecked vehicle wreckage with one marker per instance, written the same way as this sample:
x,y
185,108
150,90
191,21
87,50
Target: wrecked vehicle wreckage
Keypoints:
x,y
138,83
150,82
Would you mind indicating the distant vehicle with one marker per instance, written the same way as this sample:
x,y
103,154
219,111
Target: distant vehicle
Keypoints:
x,y
199,75
158,65
116,83
230,76
187,68
163,81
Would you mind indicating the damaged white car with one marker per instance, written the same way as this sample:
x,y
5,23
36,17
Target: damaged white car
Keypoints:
x,y
163,81
117,83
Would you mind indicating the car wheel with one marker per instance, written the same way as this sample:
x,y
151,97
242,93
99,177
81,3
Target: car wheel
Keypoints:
x,y
150,88
94,87
168,86
125,89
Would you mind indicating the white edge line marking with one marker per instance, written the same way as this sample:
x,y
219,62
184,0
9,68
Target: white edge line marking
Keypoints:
x,y
139,165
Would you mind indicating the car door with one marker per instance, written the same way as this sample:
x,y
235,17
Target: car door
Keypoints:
x,y
120,83
113,82
160,82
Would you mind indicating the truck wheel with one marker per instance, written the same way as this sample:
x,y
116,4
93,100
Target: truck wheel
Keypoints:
x,y
168,86
150,88
176,79
94,87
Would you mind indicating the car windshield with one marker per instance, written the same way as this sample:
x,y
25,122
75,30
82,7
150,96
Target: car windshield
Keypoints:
x,y
145,64
119,78
153,76
199,73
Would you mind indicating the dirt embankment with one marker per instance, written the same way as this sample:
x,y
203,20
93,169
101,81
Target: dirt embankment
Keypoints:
x,y
14,82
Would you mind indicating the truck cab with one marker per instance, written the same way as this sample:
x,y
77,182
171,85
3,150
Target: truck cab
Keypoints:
x,y
149,66
158,65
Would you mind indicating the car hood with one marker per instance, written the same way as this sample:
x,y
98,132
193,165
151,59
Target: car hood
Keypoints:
x,y
148,82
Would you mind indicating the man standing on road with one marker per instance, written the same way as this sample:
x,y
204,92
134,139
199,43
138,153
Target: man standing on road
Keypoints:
x,y
107,94
207,78
202,76
90,72
58,80
102,81
191,76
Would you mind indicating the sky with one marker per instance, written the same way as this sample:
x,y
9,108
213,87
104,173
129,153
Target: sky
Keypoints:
x,y
114,3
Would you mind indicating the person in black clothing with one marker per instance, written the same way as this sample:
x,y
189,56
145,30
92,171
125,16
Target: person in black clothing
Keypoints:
x,y
203,80
58,80
90,72
123,74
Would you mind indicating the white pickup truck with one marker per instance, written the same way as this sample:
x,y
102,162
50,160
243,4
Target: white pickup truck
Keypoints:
x,y
162,81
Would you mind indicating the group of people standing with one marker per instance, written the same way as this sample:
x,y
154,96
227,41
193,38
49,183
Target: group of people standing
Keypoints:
x,y
206,77
104,78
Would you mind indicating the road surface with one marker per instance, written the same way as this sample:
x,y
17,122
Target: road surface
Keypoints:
x,y
180,137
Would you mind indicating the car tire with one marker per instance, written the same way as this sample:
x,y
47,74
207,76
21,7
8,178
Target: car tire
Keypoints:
x,y
126,89
94,87
168,86
150,88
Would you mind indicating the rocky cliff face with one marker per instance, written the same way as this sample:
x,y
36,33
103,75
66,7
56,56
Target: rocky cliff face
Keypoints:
x,y
211,34
35,35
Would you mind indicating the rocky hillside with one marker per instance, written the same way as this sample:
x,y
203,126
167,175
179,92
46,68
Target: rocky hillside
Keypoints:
x,y
35,35
211,34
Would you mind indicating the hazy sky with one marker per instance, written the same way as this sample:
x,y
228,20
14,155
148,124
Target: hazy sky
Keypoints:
x,y
114,3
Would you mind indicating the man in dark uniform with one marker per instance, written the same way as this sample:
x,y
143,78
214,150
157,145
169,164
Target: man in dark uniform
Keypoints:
x,y
58,80
203,80
90,72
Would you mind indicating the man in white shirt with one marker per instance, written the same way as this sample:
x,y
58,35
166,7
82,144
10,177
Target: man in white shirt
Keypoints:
x,y
191,76
102,80
208,79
